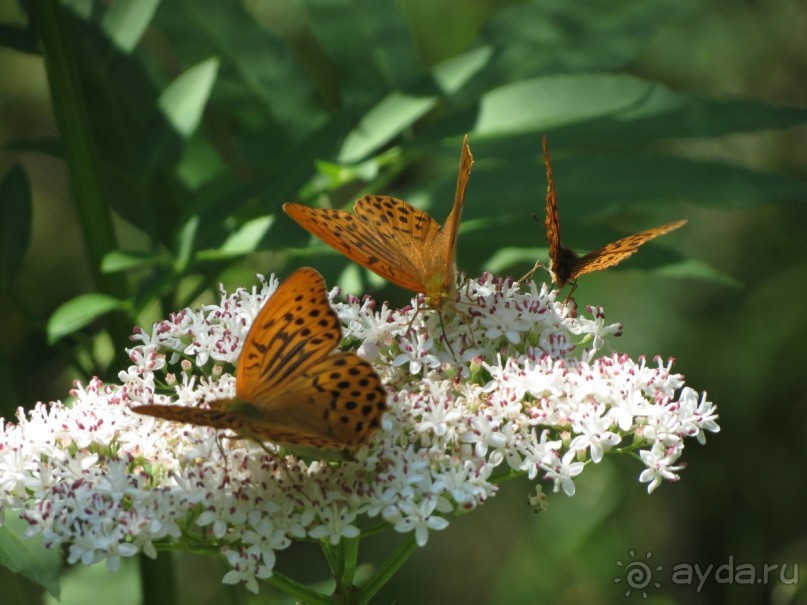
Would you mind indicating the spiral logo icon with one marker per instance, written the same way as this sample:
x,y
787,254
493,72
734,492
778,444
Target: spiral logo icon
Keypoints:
x,y
638,574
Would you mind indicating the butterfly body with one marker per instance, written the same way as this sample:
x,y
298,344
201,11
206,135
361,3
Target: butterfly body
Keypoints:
x,y
394,239
290,388
565,264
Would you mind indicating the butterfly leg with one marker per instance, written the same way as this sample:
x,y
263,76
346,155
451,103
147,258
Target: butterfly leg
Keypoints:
x,y
531,272
569,296
445,335
219,439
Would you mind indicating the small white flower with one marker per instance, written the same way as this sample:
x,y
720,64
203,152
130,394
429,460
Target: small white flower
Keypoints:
x,y
563,472
659,462
409,516
415,351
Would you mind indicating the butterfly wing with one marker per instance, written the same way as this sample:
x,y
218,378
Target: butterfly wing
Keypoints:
x,y
337,403
552,221
616,252
442,250
294,330
219,418
289,389
384,235
563,260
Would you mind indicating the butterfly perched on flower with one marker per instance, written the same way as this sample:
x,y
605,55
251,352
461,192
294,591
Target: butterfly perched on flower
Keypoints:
x,y
394,239
566,266
290,386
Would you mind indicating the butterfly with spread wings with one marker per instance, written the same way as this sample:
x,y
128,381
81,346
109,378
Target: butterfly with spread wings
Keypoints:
x,y
565,264
291,388
394,239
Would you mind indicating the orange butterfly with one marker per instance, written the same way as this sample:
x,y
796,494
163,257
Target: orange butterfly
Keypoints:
x,y
289,387
394,239
566,266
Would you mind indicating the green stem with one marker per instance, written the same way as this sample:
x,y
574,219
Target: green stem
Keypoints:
x,y
70,109
156,579
342,561
387,569
303,593
349,560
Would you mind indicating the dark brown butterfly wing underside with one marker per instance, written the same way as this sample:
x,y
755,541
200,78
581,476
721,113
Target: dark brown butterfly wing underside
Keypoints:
x,y
615,252
566,264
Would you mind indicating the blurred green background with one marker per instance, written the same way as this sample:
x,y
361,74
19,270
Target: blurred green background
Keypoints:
x,y
185,124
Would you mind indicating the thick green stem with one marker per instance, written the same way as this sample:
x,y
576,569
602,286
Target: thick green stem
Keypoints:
x,y
387,570
156,579
70,109
297,590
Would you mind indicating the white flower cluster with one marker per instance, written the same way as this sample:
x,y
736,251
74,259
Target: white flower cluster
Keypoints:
x,y
506,379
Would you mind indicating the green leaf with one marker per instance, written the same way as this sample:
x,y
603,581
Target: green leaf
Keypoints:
x,y
185,242
397,112
377,56
693,268
617,110
78,312
97,584
119,260
261,84
184,100
18,38
545,37
243,241
126,20
508,257
553,101
47,146
15,222
28,556
452,74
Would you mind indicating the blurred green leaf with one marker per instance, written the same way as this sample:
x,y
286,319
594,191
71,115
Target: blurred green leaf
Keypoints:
x,y
184,100
28,556
138,180
260,83
376,57
96,584
126,20
52,147
186,236
79,312
15,222
452,74
119,260
693,268
544,103
555,36
505,258
241,242
82,8
18,38
382,123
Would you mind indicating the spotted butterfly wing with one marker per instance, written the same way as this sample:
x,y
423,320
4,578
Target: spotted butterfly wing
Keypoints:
x,y
566,265
393,238
290,389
